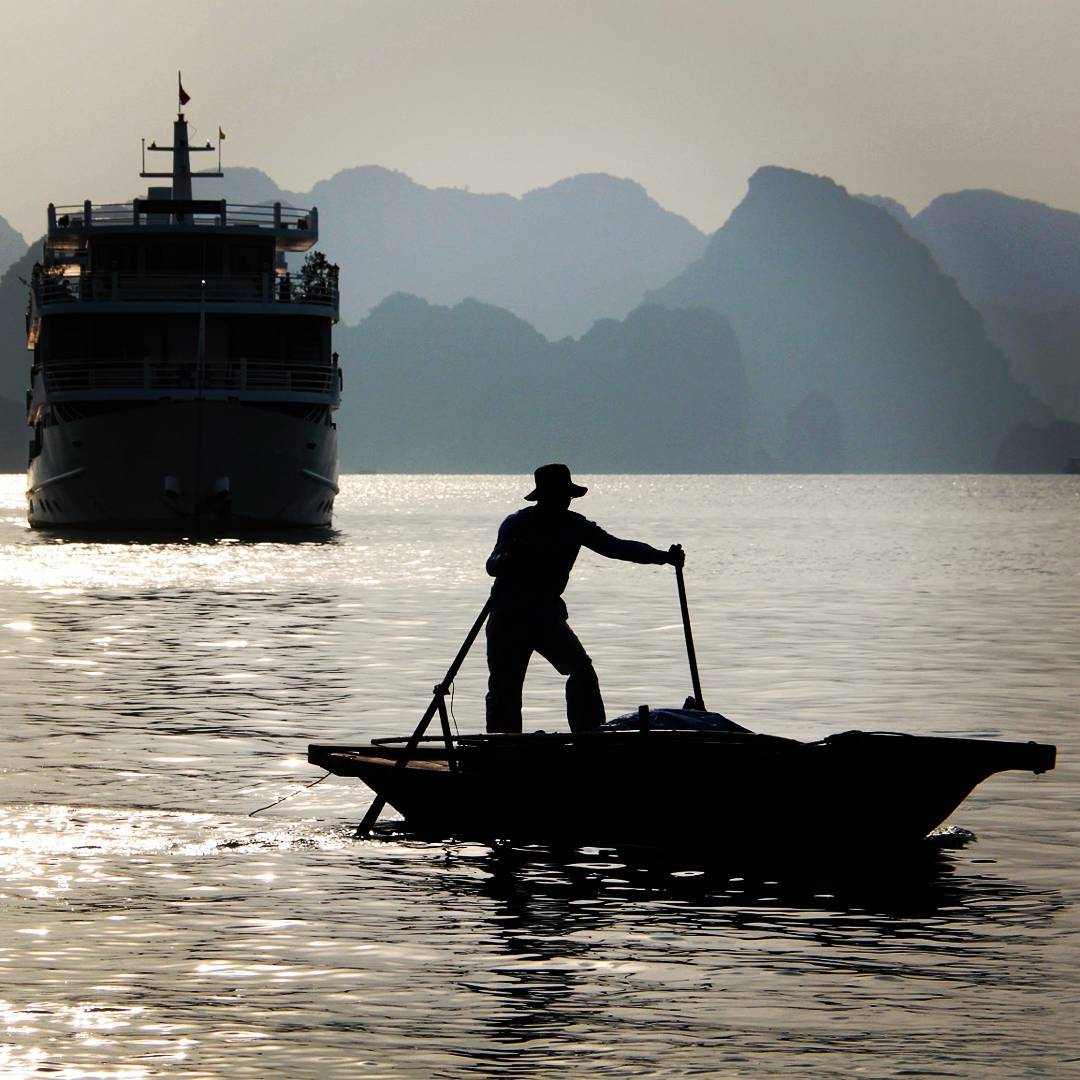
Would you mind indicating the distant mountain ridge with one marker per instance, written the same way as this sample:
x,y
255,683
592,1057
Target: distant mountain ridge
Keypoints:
x,y
12,245
834,303
15,358
1004,250
473,388
1044,350
560,257
814,332
1018,262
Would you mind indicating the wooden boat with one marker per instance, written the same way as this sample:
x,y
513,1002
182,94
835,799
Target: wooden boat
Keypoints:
x,y
674,779
719,792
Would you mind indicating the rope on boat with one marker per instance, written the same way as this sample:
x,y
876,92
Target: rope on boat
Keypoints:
x,y
290,795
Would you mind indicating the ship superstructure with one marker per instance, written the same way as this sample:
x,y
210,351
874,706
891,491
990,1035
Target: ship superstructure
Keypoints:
x,y
182,376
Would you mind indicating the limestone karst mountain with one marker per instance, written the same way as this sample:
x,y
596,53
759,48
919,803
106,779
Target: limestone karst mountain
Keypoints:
x,y
12,245
1040,448
560,257
473,388
1018,262
815,332
1004,251
828,294
14,356
1044,351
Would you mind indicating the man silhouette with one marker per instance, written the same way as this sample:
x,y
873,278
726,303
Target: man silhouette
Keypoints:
x,y
531,564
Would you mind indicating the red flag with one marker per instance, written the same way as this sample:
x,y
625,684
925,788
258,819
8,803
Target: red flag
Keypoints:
x,y
185,97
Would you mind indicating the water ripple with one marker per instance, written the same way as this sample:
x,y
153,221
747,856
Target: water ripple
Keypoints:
x,y
156,693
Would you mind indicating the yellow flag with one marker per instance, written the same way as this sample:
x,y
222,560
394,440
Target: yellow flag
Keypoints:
x,y
220,133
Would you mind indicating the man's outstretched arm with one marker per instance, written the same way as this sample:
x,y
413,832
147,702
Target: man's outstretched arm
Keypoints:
x,y
612,547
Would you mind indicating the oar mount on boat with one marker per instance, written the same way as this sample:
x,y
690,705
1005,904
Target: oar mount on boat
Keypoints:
x,y
438,704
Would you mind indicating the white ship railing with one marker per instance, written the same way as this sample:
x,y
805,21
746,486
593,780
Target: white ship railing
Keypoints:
x,y
111,287
273,216
138,377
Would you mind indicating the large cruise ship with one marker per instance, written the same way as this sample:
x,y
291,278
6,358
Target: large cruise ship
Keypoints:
x,y
182,377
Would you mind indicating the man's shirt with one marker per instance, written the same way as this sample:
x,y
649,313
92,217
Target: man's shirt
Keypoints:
x,y
535,551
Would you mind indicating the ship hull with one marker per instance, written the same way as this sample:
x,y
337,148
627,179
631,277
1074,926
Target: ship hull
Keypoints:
x,y
182,465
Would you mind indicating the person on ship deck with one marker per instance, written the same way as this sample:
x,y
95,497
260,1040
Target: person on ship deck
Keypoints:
x,y
531,563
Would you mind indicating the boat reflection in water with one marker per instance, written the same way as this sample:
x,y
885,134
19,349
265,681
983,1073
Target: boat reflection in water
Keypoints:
x,y
573,937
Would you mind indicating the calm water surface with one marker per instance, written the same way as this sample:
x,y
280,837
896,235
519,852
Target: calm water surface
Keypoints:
x,y
154,694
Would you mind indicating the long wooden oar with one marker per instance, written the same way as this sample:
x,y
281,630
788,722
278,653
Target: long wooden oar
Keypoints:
x,y
691,655
437,705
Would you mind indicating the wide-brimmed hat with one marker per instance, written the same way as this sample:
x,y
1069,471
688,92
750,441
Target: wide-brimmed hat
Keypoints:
x,y
554,480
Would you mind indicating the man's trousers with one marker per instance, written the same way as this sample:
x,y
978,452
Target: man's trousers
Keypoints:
x,y
511,641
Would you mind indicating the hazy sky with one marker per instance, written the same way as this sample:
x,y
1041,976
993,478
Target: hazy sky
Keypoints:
x,y
896,97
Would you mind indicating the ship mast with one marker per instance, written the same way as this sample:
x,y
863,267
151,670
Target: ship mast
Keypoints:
x,y
181,159
181,175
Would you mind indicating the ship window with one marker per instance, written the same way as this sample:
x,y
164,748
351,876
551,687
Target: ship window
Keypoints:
x,y
172,258
183,257
212,259
255,338
248,258
123,341
304,341
65,339
108,255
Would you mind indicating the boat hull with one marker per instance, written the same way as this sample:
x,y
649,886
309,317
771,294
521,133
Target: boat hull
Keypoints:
x,y
716,793
178,465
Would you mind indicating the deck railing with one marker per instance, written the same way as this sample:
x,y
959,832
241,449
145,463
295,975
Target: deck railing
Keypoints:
x,y
137,375
243,215
106,286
